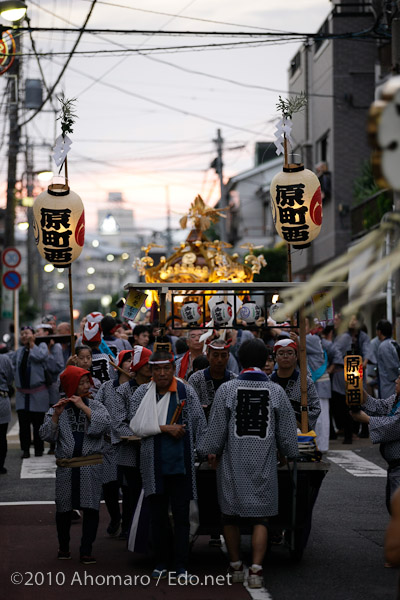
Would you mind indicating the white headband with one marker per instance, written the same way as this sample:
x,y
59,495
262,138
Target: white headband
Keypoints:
x,y
161,362
226,347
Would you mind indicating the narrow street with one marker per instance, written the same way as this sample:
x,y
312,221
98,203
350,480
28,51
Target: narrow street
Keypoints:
x,y
343,559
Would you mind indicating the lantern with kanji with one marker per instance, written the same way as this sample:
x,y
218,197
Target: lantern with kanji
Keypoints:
x,y
353,377
59,225
296,205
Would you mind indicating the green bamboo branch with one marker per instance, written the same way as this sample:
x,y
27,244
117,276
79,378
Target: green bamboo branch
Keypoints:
x,y
68,114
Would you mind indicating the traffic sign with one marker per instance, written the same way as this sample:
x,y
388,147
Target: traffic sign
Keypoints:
x,y
12,280
11,257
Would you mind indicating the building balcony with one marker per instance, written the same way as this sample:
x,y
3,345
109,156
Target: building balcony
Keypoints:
x,y
368,214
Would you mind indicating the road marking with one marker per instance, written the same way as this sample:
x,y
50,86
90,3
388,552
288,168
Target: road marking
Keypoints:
x,y
14,431
38,467
355,465
259,594
27,503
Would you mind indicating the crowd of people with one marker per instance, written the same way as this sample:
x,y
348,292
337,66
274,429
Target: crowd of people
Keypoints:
x,y
128,414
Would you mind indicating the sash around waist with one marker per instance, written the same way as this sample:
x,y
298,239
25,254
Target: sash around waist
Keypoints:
x,y
35,390
80,461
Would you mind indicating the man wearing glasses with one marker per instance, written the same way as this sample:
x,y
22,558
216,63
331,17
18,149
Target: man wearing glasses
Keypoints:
x,y
184,364
287,376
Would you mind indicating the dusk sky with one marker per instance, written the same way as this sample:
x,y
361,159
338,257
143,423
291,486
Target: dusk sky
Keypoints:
x,y
145,127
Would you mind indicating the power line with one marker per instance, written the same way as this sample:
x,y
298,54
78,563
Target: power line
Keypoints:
x,y
163,104
184,69
366,33
157,49
98,79
64,67
226,79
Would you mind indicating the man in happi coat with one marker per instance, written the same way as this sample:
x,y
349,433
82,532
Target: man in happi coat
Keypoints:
x,y
127,452
77,425
101,368
207,381
31,364
169,419
383,418
355,341
251,420
287,375
388,361
109,326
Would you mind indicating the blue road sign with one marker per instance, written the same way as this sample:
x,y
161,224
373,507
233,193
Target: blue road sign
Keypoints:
x,y
11,280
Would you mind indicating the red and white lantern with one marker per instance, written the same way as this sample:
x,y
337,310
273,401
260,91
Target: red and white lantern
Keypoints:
x,y
59,225
296,205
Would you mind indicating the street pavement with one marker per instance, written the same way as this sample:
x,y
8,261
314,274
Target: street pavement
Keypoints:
x,y
343,559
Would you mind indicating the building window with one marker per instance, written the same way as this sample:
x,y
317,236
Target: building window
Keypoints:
x,y
295,63
318,41
322,148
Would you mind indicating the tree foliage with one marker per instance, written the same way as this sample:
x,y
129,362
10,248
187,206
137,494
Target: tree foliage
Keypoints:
x,y
276,269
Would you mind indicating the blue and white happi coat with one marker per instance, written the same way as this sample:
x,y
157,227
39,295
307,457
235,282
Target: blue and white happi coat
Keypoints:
x,y
150,459
384,425
293,392
204,386
77,487
251,419
122,412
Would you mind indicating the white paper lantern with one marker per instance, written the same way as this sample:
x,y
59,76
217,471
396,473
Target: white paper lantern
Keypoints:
x,y
191,312
221,313
296,205
250,312
59,225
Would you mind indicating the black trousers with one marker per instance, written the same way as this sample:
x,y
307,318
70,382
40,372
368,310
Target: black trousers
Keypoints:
x,y
342,416
111,498
3,443
27,418
90,523
131,484
175,493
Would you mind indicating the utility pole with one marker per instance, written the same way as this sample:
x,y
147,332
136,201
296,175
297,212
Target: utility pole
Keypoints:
x,y
395,26
218,168
13,145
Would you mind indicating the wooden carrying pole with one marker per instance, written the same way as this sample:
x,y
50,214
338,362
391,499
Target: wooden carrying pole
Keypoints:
x,y
303,372
289,255
71,307
71,311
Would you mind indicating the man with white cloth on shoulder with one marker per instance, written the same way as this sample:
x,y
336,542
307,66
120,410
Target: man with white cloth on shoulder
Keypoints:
x,y
168,417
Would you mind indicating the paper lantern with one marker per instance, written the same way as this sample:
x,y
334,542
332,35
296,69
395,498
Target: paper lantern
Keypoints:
x,y
191,312
296,205
353,377
59,225
250,312
221,313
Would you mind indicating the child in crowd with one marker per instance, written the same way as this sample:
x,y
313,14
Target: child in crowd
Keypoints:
x,y
83,359
77,424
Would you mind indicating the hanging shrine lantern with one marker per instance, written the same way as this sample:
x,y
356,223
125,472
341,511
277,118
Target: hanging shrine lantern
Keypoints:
x,y
296,205
59,224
